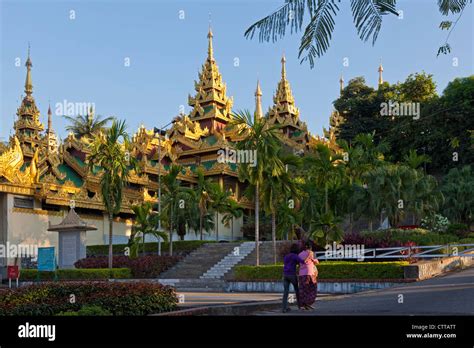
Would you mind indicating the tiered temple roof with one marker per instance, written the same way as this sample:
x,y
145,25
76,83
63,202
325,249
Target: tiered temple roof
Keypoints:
x,y
35,164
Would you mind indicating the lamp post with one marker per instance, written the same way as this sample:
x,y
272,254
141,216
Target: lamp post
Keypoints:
x,y
160,131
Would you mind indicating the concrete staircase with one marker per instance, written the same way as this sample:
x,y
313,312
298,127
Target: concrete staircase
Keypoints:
x,y
228,262
197,262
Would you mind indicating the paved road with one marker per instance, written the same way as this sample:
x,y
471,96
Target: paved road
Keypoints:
x,y
451,294
200,299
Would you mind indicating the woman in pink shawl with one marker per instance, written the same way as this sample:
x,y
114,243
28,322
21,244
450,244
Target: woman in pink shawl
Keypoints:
x,y
307,278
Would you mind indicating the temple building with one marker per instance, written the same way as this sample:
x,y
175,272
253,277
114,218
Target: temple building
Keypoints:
x,y
41,178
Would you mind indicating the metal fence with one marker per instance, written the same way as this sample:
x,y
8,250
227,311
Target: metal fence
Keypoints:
x,y
431,251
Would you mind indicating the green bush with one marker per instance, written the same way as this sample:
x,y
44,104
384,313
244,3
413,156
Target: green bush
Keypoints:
x,y
466,241
179,247
77,274
460,230
328,270
117,298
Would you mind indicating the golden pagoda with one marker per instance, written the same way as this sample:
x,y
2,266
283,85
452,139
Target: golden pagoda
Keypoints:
x,y
41,178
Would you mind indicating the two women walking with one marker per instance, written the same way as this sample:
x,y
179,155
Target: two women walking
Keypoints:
x,y
305,283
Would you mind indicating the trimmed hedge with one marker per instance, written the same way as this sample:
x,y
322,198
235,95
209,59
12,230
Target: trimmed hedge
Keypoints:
x,y
149,266
179,247
77,274
140,298
328,270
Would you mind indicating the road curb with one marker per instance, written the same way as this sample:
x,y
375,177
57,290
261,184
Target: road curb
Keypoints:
x,y
234,309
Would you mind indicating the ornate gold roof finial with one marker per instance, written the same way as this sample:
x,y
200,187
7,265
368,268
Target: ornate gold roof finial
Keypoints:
x,y
28,81
380,70
210,50
258,101
50,121
341,84
283,67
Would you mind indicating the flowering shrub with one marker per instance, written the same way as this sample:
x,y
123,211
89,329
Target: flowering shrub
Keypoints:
x,y
436,223
397,237
140,298
149,266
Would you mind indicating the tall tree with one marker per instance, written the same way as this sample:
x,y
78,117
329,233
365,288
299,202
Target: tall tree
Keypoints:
x,y
263,139
204,190
177,201
458,190
108,151
276,188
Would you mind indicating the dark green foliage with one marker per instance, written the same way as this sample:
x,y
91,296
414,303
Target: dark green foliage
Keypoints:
x,y
460,230
78,274
328,270
87,310
141,298
179,248
148,266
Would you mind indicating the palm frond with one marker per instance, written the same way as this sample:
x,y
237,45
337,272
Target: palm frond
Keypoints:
x,y
273,26
368,14
453,6
318,33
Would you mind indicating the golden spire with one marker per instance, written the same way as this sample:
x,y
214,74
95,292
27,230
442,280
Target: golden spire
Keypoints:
x,y
283,67
380,70
210,50
28,81
258,101
210,100
50,121
341,84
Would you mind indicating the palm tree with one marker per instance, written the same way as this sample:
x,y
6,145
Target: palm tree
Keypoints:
x,y
263,139
232,211
278,187
325,169
372,153
458,190
108,151
203,190
87,126
413,160
221,201
177,201
145,222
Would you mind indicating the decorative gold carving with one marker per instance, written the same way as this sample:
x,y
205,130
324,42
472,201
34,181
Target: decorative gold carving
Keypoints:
x,y
11,161
37,211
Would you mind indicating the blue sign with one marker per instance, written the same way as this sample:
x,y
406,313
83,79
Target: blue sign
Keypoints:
x,y
46,259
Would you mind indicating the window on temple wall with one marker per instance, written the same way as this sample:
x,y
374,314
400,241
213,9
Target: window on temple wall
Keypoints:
x,y
21,202
50,207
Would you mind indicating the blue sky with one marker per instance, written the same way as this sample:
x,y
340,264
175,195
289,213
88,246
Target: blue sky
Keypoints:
x,y
82,60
